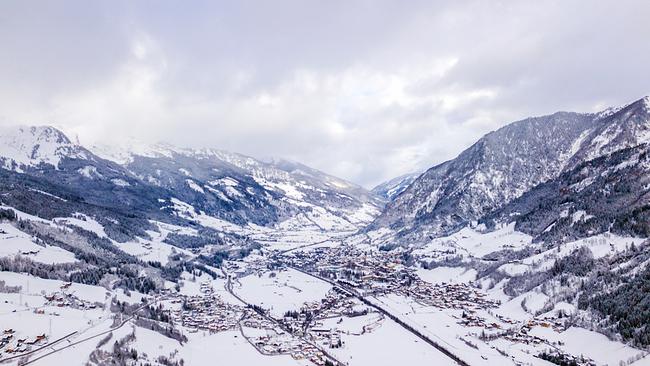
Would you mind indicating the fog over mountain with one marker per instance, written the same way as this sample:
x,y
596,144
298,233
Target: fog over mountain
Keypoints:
x,y
365,91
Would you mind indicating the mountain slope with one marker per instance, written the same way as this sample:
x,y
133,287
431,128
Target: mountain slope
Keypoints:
x,y
48,175
505,164
607,194
392,188
261,192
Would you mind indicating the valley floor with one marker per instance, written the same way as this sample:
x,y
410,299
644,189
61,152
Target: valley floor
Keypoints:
x,y
309,296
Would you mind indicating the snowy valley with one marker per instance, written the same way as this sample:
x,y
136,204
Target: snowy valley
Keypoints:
x,y
529,248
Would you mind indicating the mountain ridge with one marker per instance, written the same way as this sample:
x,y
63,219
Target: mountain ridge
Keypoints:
x,y
506,163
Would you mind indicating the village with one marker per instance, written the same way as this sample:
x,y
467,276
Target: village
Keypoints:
x,y
310,332
11,345
295,334
375,273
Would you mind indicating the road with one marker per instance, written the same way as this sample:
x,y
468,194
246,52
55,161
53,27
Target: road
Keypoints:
x,y
396,319
228,287
125,321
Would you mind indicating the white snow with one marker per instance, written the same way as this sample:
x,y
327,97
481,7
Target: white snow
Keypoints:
x,y
227,181
125,150
155,249
594,345
288,290
120,182
388,345
478,244
89,172
15,242
31,146
83,221
447,274
289,190
48,194
192,184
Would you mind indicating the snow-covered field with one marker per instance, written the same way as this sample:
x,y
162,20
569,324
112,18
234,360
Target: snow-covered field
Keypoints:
x,y
388,344
475,243
441,326
447,275
155,249
281,291
15,242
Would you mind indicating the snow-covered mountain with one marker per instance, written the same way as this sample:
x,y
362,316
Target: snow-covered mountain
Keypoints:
x,y
505,164
23,146
608,194
278,189
48,175
393,187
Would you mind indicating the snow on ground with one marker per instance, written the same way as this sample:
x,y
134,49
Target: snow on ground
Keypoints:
x,y
188,211
48,194
89,172
192,184
37,286
18,312
14,241
515,269
478,244
63,321
388,345
364,215
287,290
377,235
83,221
447,275
441,326
531,301
289,235
229,348
325,244
120,182
33,145
591,344
25,216
600,246
354,325
289,190
155,249
512,308
327,221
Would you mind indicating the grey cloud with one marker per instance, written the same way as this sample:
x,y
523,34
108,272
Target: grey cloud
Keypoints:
x,y
366,90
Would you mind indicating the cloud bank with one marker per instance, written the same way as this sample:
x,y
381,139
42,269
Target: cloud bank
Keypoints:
x,y
365,90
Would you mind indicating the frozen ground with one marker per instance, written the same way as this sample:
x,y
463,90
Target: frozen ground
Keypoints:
x,y
388,345
15,242
281,291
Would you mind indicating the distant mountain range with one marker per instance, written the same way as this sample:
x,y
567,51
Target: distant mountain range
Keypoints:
x,y
501,177
48,175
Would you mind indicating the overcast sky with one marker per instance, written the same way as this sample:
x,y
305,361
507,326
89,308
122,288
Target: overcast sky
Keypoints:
x,y
365,90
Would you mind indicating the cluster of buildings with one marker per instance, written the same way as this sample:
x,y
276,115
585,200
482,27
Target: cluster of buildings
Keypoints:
x,y
64,298
10,345
450,295
206,311
278,342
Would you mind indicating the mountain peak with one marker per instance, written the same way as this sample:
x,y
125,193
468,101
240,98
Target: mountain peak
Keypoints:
x,y
645,101
638,106
25,146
